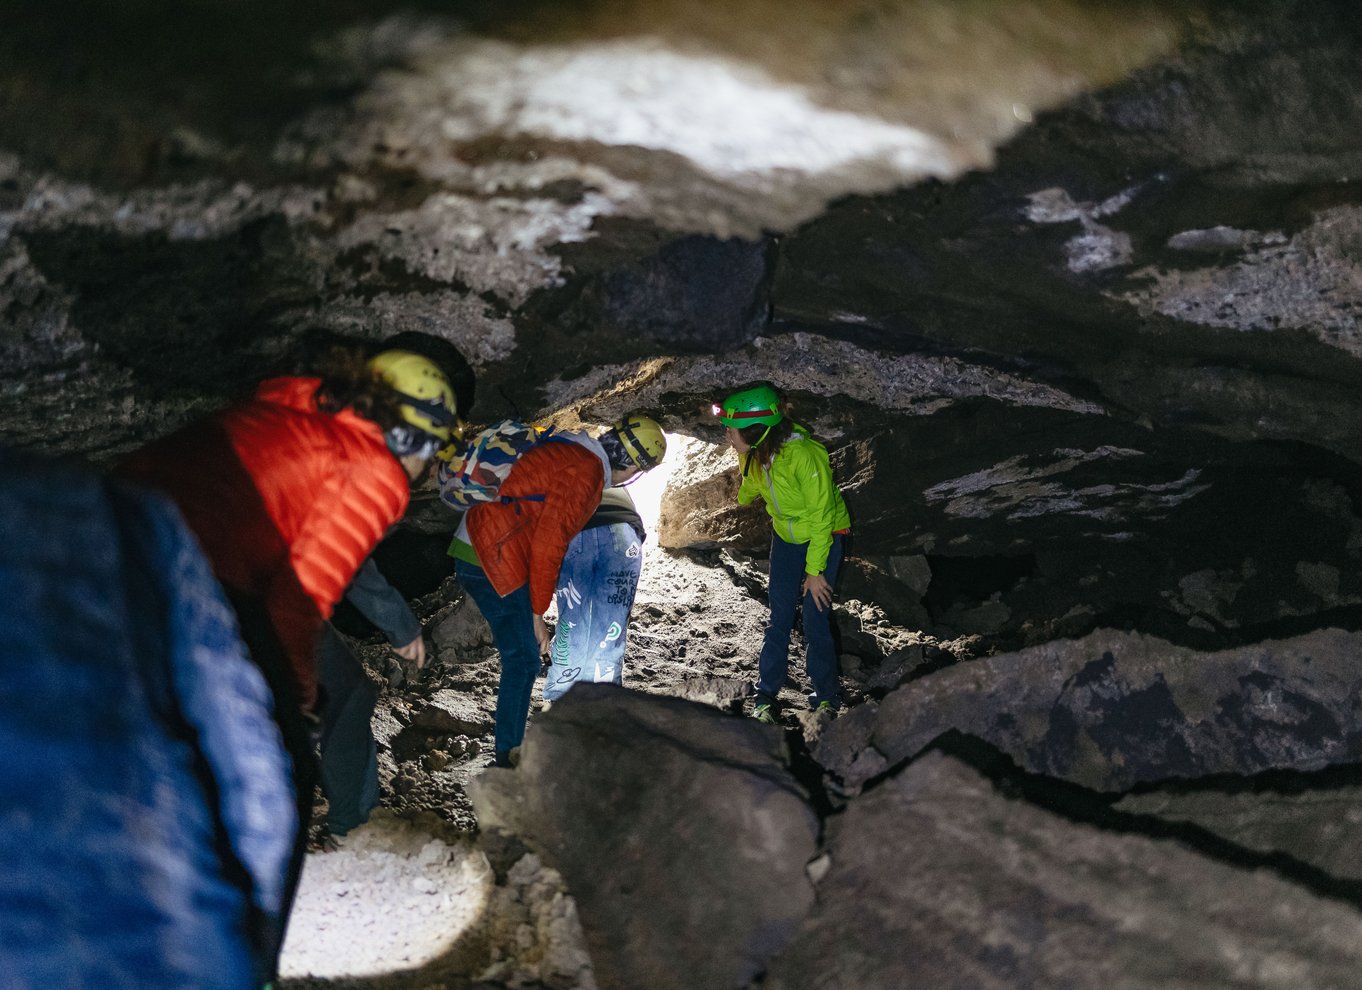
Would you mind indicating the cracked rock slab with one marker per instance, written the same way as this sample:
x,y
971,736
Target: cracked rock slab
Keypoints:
x,y
937,880
1112,710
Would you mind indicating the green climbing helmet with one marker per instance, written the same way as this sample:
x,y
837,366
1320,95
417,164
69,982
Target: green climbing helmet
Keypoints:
x,y
758,404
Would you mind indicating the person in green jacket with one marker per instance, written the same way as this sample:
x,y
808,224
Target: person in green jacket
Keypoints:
x,y
782,464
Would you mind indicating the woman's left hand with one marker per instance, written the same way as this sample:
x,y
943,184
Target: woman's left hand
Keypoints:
x,y
543,632
817,586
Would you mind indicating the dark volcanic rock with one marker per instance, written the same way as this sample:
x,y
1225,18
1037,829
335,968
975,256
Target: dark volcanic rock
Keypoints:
x,y
454,713
698,293
1072,521
1116,709
679,831
1311,818
936,880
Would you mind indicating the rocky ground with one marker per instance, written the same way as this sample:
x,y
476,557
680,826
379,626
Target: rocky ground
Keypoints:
x,y
413,890
1074,793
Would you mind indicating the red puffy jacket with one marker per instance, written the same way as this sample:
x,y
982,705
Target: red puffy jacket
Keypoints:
x,y
287,502
525,539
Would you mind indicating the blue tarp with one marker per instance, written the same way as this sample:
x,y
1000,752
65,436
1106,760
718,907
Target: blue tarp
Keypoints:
x,y
146,808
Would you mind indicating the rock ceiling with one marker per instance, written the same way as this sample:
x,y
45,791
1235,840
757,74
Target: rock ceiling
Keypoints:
x,y
1072,288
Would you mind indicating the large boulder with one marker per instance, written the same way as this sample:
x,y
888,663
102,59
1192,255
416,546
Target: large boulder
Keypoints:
x,y
460,633
935,879
677,829
1310,818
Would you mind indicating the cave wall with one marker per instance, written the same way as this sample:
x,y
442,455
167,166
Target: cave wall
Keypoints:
x,y
1070,290
1091,360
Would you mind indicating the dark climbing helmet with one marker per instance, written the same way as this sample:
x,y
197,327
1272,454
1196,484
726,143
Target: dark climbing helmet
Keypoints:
x,y
758,404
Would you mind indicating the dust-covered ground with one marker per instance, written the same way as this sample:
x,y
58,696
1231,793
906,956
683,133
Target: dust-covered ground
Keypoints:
x,y
695,632
409,900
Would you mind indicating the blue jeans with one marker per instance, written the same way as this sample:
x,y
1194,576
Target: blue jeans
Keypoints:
x,y
787,577
596,588
512,622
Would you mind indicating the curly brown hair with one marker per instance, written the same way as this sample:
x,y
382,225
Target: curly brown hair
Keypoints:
x,y
349,382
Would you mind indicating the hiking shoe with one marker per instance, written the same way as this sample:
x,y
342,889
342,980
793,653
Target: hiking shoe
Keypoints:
x,y
764,713
825,708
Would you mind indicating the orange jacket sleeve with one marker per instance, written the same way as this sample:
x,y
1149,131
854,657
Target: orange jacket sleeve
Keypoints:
x,y
562,519
552,490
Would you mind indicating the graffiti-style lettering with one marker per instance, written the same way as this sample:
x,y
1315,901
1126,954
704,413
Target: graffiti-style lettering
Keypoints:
x,y
570,596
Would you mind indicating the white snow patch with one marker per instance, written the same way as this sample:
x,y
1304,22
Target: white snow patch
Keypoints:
x,y
727,118
1057,206
1014,489
1012,471
1098,248
1222,238
1313,282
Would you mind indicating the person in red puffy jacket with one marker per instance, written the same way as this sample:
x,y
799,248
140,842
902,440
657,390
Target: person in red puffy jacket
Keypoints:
x,y
288,492
507,556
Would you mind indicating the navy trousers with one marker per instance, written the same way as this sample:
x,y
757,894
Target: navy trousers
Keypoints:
x,y
787,578
512,622
349,756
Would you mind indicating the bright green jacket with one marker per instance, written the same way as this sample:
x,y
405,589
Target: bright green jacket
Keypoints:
x,y
801,498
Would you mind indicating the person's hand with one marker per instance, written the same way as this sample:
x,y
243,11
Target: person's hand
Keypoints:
x,y
415,650
817,586
543,632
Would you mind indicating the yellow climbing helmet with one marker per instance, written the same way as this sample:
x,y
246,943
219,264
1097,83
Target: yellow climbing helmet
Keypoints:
x,y
642,439
427,399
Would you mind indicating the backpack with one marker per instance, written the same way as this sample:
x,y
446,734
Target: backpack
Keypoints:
x,y
474,474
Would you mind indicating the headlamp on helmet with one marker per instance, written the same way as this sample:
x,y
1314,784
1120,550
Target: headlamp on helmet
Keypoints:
x,y
759,404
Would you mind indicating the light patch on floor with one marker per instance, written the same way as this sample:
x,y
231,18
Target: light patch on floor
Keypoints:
x,y
392,898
